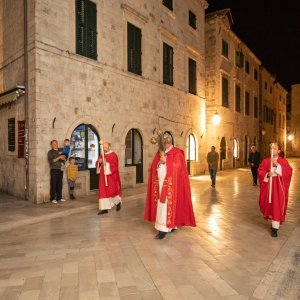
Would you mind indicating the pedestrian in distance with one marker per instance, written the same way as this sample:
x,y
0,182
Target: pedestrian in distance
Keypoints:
x,y
254,160
212,162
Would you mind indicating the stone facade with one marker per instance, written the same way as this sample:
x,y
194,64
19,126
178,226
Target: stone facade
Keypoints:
x,y
293,123
272,112
238,128
67,90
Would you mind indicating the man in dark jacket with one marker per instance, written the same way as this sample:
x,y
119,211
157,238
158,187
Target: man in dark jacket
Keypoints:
x,y
254,160
56,174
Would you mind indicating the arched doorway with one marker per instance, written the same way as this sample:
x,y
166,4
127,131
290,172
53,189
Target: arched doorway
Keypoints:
x,y
85,149
235,151
246,150
191,151
134,152
222,152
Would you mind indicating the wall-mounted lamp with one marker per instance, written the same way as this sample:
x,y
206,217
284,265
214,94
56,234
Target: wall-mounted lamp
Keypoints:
x,y
290,137
263,131
216,118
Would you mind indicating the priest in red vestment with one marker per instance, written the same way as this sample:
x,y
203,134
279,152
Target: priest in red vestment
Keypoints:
x,y
109,181
169,201
274,172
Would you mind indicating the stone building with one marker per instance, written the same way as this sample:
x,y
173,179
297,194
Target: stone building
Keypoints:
x,y
91,70
293,122
232,91
272,112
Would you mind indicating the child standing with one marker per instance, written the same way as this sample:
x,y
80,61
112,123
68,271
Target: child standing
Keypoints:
x,y
72,173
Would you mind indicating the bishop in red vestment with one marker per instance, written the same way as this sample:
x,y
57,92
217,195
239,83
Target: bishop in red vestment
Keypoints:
x,y
110,193
276,173
169,201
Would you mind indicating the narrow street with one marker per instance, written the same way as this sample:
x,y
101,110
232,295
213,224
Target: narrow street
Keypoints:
x,y
67,251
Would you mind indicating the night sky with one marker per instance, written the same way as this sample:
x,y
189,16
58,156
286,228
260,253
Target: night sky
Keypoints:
x,y
271,29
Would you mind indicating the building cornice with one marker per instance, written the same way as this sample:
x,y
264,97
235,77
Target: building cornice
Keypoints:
x,y
168,34
136,13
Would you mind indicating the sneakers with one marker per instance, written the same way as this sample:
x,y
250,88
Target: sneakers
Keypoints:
x,y
62,200
54,201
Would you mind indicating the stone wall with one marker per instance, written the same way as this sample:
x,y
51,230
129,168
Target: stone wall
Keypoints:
x,y
74,90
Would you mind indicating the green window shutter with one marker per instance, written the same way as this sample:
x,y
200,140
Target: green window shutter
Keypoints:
x,y
91,30
134,49
168,4
247,104
237,98
224,92
11,134
192,76
81,9
168,54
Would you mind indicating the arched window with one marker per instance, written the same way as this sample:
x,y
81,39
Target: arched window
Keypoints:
x,y
85,149
134,152
191,151
235,148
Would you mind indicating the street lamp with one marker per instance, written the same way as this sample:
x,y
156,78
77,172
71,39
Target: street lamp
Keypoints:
x,y
290,137
216,118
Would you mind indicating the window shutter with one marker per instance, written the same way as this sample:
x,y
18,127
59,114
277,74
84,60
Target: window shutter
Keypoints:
x,y
91,30
12,134
81,6
224,92
134,49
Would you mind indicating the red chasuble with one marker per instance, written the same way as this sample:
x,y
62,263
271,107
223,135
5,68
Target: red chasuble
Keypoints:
x,y
275,210
176,188
113,187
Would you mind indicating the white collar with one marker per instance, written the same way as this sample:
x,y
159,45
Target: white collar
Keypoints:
x,y
169,149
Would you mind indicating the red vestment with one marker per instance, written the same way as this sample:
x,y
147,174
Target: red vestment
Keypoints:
x,y
113,187
176,188
275,210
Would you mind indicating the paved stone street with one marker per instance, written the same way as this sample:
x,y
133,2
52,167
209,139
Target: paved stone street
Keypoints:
x,y
67,251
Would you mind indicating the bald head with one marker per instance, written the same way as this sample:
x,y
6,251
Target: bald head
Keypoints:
x,y
106,146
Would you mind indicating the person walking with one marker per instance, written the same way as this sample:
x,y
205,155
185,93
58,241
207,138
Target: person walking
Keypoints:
x,y
110,191
254,160
275,175
168,201
212,162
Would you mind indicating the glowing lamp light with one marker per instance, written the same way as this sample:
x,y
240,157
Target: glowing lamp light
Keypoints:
x,y
290,137
216,119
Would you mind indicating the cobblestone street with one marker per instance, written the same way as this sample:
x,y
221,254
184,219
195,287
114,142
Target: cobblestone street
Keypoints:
x,y
67,251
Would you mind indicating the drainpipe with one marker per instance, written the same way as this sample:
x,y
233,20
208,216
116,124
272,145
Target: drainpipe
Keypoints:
x,y
26,102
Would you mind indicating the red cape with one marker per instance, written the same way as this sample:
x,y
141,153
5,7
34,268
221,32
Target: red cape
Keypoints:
x,y
280,190
176,188
113,187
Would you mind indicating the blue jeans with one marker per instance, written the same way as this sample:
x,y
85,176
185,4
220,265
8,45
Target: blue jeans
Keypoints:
x,y
213,174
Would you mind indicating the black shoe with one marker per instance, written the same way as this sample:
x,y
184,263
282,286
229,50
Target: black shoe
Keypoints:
x,y
72,197
274,232
103,211
119,205
161,235
172,230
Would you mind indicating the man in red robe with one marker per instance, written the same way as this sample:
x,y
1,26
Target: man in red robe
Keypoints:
x,y
169,201
274,172
109,181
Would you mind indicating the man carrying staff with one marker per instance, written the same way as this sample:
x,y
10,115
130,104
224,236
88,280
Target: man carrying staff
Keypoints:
x,y
275,176
109,180
168,202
